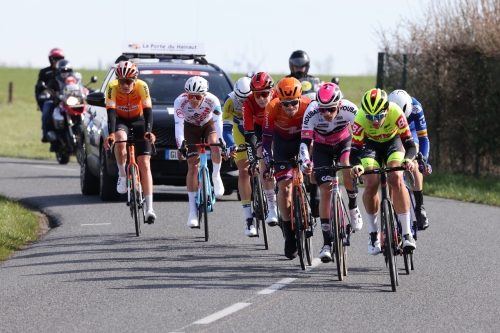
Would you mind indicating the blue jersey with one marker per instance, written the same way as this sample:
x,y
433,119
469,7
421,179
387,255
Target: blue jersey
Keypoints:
x,y
418,127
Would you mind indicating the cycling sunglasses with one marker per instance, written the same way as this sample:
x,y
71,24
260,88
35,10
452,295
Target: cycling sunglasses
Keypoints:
x,y
378,117
263,94
196,97
128,82
288,103
332,109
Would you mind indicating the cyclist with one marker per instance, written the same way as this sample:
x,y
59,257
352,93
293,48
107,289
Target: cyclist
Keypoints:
x,y
327,121
253,116
45,75
299,64
128,105
375,141
416,120
198,114
282,125
232,118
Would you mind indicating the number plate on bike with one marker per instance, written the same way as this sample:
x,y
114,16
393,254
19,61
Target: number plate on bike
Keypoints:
x,y
171,154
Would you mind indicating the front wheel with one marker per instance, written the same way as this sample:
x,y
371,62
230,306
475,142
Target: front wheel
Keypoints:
x,y
337,241
259,209
134,200
389,245
297,215
204,204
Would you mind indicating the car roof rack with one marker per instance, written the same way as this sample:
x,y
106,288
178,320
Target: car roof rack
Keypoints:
x,y
146,52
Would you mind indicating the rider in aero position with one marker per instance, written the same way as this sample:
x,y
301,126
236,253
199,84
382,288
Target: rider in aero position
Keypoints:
x,y
326,121
379,122
416,120
232,118
128,105
198,114
282,124
253,116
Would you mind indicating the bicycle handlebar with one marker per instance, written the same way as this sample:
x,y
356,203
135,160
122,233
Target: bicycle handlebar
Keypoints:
x,y
153,147
185,145
383,170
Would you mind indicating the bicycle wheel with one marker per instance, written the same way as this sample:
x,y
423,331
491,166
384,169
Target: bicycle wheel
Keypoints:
x,y
133,201
297,216
204,203
406,259
259,209
337,240
346,224
309,231
389,248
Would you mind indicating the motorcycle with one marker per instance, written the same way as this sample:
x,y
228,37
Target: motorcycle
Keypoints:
x,y
67,118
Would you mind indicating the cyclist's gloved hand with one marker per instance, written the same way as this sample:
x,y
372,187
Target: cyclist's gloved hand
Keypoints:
x,y
149,137
306,167
425,172
357,170
268,173
407,163
182,150
231,150
109,141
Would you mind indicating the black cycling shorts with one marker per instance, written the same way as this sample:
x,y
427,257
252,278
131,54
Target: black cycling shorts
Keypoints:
x,y
142,147
324,155
377,154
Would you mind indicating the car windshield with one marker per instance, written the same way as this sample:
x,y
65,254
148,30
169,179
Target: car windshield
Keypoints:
x,y
165,88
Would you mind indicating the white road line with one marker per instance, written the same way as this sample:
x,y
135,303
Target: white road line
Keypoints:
x,y
54,168
225,312
95,223
277,286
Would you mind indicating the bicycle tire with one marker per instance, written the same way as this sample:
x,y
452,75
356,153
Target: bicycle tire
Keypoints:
x,y
259,210
337,242
307,235
406,260
133,201
299,230
205,198
388,220
347,222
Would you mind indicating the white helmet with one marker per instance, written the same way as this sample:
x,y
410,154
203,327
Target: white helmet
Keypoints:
x,y
402,99
196,85
242,87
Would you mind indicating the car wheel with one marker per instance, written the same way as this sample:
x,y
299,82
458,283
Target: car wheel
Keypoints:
x,y
107,184
89,183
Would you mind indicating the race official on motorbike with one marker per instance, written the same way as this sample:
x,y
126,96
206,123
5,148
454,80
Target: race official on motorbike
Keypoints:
x,y
47,73
63,70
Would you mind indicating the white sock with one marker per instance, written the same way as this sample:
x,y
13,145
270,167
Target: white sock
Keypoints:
x,y
247,208
149,202
405,222
271,198
121,170
372,222
192,202
215,170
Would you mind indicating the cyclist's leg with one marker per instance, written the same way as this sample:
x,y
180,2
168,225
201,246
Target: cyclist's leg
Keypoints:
x,y
121,154
272,215
192,135
211,136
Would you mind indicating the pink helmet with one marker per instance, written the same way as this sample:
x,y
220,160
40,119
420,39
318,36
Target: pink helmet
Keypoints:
x,y
328,95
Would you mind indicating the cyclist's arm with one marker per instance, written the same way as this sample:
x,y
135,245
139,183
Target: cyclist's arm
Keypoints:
x,y
406,137
421,127
227,121
307,132
179,121
147,106
111,107
218,122
148,119
248,113
111,120
358,133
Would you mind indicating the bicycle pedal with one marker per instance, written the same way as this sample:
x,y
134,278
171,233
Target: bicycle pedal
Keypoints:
x,y
150,221
272,224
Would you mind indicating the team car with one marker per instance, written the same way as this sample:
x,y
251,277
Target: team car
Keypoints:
x,y
165,68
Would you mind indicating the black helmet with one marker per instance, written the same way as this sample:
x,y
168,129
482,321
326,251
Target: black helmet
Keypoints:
x,y
64,66
299,59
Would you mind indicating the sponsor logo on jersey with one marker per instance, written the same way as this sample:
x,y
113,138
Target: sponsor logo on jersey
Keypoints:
x,y
326,178
128,108
307,133
357,128
349,109
109,91
179,113
111,104
308,116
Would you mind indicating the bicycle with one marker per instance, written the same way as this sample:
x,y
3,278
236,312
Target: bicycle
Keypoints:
x,y
259,206
390,235
135,196
205,196
302,221
340,231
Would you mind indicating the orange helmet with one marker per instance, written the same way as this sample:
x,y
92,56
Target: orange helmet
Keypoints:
x,y
126,70
288,88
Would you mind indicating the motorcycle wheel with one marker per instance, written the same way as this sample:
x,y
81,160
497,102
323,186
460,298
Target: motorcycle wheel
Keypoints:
x,y
62,158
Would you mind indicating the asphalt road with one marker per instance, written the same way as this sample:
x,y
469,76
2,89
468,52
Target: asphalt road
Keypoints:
x,y
92,274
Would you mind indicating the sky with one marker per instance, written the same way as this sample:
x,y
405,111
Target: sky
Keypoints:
x,y
239,36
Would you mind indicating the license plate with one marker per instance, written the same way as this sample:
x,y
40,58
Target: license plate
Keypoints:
x,y
171,154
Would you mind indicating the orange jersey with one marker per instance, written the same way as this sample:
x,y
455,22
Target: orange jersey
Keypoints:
x,y
128,106
253,113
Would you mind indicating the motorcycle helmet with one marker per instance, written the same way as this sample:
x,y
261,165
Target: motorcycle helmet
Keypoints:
x,y
63,66
374,101
403,100
328,95
299,59
126,70
242,88
289,88
196,85
56,54
261,81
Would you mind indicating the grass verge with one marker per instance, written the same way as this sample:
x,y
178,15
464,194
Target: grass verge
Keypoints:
x,y
18,227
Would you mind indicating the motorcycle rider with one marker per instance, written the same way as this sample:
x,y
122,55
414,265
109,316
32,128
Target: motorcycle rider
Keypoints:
x,y
64,69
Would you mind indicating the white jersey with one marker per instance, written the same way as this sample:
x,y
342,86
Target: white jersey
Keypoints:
x,y
198,116
316,127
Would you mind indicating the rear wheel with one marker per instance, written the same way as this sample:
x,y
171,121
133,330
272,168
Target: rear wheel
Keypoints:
x,y
259,209
298,226
134,200
337,241
389,246
204,197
